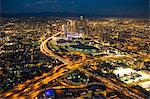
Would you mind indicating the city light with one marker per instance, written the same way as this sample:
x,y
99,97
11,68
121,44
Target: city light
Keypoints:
x,y
74,58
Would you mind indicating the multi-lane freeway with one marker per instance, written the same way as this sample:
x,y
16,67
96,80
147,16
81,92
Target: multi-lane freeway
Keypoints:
x,y
28,88
32,88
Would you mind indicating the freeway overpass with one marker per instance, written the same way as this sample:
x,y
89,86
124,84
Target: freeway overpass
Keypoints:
x,y
31,88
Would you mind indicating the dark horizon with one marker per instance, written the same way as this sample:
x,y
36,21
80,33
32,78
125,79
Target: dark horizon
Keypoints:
x,y
64,14
97,8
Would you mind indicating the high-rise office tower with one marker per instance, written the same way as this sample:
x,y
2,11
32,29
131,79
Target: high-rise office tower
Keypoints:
x,y
81,18
72,26
83,28
64,29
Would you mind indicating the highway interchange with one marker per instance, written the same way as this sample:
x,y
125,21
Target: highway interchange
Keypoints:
x,y
32,88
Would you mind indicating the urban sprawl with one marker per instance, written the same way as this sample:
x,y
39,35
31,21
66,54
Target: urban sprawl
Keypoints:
x,y
51,57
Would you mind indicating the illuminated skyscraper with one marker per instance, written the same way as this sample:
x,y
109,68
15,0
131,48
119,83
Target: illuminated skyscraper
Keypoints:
x,y
81,18
83,28
64,30
72,26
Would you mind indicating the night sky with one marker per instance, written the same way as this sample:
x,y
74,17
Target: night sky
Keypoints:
x,y
136,8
